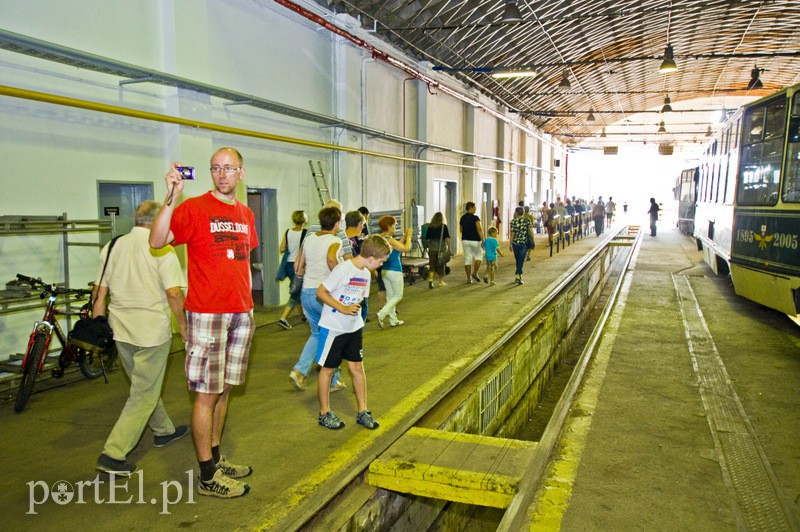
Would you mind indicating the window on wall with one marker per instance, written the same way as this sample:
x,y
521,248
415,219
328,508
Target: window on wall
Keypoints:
x,y
761,151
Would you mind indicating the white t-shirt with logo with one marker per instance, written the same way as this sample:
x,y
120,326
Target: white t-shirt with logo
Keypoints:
x,y
348,285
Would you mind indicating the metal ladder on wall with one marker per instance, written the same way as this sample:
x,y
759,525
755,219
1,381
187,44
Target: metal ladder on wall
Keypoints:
x,y
319,182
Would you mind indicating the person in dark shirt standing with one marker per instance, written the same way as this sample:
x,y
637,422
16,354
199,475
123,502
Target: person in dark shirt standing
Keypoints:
x,y
471,240
653,216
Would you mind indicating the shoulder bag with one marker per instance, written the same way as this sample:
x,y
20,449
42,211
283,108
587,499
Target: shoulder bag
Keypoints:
x,y
94,334
283,267
529,236
444,252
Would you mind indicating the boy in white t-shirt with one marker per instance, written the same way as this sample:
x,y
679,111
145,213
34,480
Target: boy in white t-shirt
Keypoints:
x,y
341,327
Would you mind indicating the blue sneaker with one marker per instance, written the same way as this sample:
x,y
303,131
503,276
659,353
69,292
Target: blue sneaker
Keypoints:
x,y
331,421
365,418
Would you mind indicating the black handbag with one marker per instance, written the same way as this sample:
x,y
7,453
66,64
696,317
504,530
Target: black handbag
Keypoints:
x,y
94,334
529,241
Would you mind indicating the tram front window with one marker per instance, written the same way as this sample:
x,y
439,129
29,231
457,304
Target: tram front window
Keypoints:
x,y
791,183
762,149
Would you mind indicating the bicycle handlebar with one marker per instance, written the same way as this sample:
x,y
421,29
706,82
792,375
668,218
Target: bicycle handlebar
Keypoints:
x,y
52,289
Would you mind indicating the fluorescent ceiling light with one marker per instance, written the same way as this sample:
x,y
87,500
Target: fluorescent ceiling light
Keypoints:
x,y
514,74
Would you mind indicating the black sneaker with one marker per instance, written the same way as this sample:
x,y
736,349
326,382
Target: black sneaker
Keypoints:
x,y
106,464
285,324
161,441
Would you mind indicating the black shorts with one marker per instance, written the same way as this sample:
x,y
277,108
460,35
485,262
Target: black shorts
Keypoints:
x,y
381,286
337,346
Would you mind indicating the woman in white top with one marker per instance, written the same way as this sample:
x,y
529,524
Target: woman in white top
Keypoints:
x,y
292,240
321,252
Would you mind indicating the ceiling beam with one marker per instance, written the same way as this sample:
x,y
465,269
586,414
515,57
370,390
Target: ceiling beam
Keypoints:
x,y
561,64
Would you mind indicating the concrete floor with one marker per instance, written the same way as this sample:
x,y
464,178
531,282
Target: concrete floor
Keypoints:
x,y
270,425
649,459
632,469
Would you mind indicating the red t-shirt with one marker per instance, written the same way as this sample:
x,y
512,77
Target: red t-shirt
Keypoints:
x,y
218,238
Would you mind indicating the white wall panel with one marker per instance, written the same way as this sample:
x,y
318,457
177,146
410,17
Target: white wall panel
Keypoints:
x,y
254,47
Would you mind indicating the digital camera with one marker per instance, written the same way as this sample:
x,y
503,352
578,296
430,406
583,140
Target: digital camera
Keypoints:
x,y
187,172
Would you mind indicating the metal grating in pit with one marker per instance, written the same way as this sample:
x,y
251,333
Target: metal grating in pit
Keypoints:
x,y
756,498
495,394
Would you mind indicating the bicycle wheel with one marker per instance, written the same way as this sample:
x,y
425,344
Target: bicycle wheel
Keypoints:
x,y
29,371
92,363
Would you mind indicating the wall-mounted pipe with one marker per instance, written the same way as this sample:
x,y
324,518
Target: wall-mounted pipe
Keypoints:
x,y
383,56
146,115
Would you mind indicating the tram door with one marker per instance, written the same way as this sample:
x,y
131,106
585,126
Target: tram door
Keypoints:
x,y
445,200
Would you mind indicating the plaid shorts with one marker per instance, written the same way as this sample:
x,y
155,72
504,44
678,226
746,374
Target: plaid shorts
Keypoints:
x,y
218,349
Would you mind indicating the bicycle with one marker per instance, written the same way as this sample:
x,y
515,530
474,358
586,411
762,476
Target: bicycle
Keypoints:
x,y
92,363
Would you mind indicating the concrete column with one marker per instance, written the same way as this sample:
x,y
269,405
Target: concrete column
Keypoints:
x,y
470,186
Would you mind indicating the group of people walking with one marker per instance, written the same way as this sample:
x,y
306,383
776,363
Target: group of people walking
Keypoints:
x,y
330,269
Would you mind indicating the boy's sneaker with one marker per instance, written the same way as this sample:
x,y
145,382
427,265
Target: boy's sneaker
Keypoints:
x,y
161,441
485,278
232,470
398,322
338,386
285,324
365,418
476,278
222,486
121,468
381,323
331,421
298,380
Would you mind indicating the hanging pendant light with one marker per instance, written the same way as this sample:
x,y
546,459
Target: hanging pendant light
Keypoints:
x,y
590,118
564,83
668,64
511,13
755,79
661,128
708,131
603,133
667,107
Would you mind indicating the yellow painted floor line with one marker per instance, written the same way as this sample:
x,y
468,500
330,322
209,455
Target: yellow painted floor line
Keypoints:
x,y
343,458
552,500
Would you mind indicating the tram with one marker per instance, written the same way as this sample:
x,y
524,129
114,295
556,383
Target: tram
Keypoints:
x,y
747,201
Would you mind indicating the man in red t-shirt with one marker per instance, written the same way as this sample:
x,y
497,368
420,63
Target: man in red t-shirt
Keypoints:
x,y
219,232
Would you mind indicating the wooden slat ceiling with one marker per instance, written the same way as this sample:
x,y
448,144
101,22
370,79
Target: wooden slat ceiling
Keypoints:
x,y
611,52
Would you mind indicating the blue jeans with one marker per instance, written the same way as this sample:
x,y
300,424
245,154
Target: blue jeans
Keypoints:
x,y
520,252
312,307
